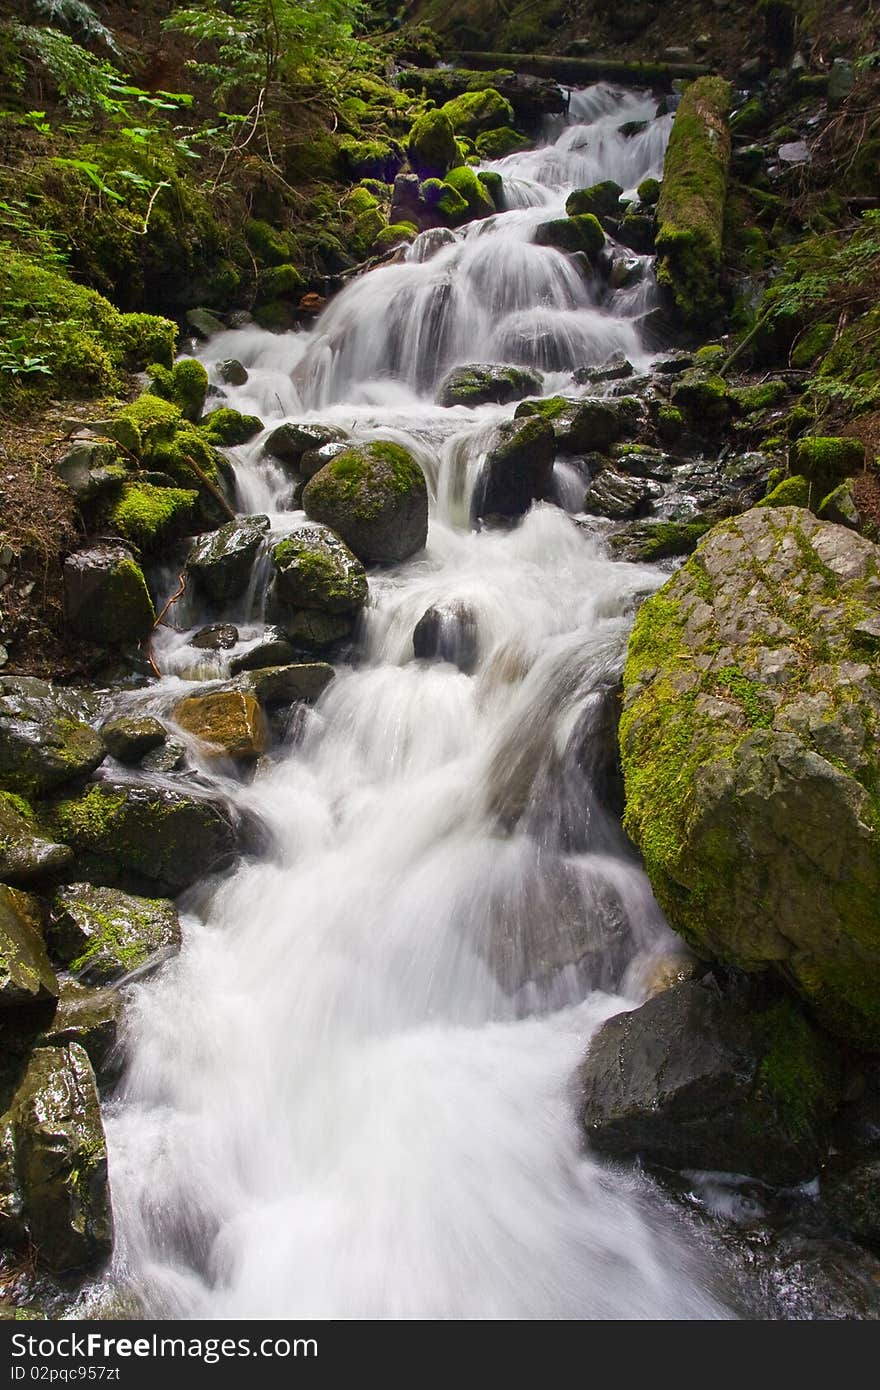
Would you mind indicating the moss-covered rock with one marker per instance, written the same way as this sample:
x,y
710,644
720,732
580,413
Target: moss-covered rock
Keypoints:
x,y
703,398
227,428
498,144
302,681
60,1159
432,147
517,470
477,384
580,426
789,492
288,442
150,516
145,839
92,1018
733,1081
106,599
315,569
572,234
221,562
472,113
670,424
444,201
26,977
811,345
650,541
26,853
375,497
748,740
841,507
649,191
600,200
228,724
185,384
690,210
827,461
130,737
465,183
146,422
371,159
397,234
752,400
44,737
101,934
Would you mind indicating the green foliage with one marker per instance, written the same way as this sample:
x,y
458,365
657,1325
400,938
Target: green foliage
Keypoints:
x,y
85,83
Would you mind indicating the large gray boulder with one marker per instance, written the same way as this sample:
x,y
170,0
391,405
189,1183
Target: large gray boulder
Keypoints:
x,y
315,569
375,497
749,741
734,1081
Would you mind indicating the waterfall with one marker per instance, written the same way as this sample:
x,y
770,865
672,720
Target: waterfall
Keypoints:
x,y
350,1095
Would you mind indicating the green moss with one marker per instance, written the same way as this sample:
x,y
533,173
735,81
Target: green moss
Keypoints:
x,y
600,199
227,428
791,492
442,196
349,476
184,385
799,1069
87,820
144,423
172,456
473,113
270,245
749,695
752,399
812,343
370,158
147,339
149,516
827,460
690,211
670,423
280,281
580,233
670,538
395,235
497,144
432,146
649,191
466,184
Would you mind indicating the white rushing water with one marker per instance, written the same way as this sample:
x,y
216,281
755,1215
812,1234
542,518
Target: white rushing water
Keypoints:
x,y
351,1094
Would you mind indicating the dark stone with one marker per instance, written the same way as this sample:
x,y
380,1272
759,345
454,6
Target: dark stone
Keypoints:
x,y
132,736
697,1078
219,637
44,737
478,384
101,934
518,468
448,633
273,649
221,562
620,498
106,599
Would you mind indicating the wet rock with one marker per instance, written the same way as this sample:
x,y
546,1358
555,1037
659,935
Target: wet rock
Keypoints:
x,y
90,468
101,934
170,756
145,839
703,398
581,233
227,723
289,442
675,364
641,461
26,977
518,468
794,152
219,637
130,737
284,685
318,632
616,368
697,1078
272,649
59,1157
106,599
313,460
747,674
231,372
221,562
375,497
579,426
315,569
26,853
637,231
840,508
620,498
841,81
448,633
204,323
44,739
650,541
478,384
91,1018
600,199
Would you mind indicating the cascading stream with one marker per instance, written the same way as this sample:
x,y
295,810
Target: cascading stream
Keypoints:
x,y
350,1095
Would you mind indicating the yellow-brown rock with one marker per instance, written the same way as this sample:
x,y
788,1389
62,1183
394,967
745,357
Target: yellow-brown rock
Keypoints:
x,y
229,723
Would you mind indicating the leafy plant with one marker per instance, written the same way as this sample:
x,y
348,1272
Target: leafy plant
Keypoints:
x,y
76,14
85,83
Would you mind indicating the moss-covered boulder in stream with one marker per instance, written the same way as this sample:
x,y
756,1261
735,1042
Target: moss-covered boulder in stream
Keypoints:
x,y
106,599
580,426
517,470
101,934
572,234
690,210
26,977
749,741
315,569
825,461
145,839
600,199
55,1160
375,497
472,113
432,146
477,384
732,1080
469,187
45,739
150,516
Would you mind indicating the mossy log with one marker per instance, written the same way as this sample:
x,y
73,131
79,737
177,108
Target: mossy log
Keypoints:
x,y
594,68
690,211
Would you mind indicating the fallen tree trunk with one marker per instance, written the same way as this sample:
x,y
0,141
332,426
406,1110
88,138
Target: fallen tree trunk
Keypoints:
x,y
573,71
690,212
